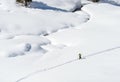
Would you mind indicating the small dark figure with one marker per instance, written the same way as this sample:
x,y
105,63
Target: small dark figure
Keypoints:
x,y
80,56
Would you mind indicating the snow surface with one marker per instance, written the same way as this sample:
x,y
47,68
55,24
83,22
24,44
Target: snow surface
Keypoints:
x,y
42,43
17,21
68,5
114,2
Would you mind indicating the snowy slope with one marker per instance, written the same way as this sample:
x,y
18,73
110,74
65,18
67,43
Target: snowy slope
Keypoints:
x,y
98,40
97,28
42,43
17,21
104,67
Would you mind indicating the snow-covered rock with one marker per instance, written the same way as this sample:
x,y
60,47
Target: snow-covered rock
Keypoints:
x,y
68,5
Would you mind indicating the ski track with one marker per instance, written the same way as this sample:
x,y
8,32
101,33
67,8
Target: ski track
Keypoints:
x,y
68,62
53,67
100,52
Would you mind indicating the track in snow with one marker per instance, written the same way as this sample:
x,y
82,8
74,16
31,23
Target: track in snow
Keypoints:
x,y
59,65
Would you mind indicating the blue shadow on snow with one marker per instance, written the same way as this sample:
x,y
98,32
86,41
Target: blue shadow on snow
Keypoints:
x,y
41,5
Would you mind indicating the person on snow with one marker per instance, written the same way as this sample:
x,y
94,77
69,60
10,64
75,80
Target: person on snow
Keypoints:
x,y
80,56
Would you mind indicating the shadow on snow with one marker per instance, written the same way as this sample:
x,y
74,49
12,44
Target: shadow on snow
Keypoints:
x,y
41,5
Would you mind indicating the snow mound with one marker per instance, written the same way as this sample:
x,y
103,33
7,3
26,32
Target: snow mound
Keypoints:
x,y
21,25
68,5
39,22
21,45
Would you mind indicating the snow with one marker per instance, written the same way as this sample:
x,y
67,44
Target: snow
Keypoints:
x,y
17,21
38,20
114,2
68,5
97,68
42,43
95,30
22,44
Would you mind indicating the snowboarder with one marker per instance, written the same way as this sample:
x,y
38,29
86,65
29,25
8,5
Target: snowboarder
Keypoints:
x,y
80,56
